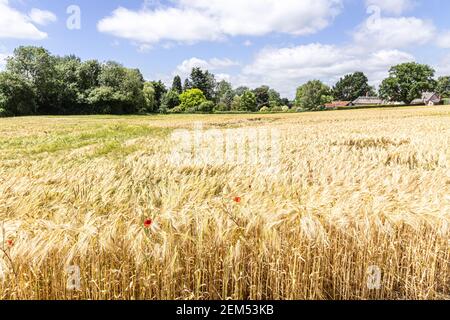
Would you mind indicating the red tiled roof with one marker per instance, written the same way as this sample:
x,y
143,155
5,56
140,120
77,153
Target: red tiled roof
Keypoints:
x,y
337,104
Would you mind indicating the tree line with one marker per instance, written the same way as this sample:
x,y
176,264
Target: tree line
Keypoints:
x,y
35,82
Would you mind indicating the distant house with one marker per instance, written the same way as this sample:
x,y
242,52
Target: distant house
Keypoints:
x,y
368,101
337,104
428,99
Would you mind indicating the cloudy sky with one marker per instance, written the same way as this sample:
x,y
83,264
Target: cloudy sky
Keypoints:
x,y
281,43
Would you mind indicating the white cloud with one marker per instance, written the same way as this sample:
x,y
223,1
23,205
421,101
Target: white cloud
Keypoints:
x,y
392,6
394,32
42,17
16,25
152,26
214,64
286,68
443,40
191,21
443,67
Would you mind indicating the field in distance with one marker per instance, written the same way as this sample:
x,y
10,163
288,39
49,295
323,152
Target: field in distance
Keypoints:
x,y
335,205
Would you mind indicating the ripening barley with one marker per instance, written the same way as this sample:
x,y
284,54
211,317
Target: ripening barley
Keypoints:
x,y
357,206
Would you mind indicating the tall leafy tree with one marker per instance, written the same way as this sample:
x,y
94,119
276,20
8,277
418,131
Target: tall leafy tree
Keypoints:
x,y
236,104
204,81
240,90
38,67
17,97
150,105
443,86
262,96
407,82
274,98
160,91
67,81
313,95
224,95
248,102
120,90
192,99
176,85
88,75
187,85
352,86
170,100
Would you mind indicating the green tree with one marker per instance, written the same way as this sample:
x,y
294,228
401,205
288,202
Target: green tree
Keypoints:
x,y
160,91
443,86
204,81
171,100
176,85
150,105
68,84
36,66
352,86
274,98
312,95
224,95
262,96
124,88
17,95
407,82
187,85
240,90
88,75
248,102
191,99
236,104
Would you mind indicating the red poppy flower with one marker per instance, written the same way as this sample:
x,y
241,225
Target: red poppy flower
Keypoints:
x,y
237,199
10,242
148,223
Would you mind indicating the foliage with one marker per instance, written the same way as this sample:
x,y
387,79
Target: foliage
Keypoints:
x,y
176,85
150,103
313,95
204,81
443,86
274,98
170,100
262,97
160,91
264,109
407,82
248,102
352,86
224,95
236,104
204,107
17,96
191,99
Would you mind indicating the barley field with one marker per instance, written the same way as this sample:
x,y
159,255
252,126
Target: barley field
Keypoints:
x,y
357,208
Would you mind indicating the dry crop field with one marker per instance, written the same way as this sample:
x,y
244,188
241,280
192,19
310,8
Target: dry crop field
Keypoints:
x,y
359,208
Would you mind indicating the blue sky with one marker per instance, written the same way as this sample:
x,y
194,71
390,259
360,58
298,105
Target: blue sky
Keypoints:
x,y
253,42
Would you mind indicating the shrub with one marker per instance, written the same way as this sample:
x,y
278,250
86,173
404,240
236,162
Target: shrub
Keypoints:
x,y
206,107
177,109
285,109
191,99
264,109
277,109
221,107
4,113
